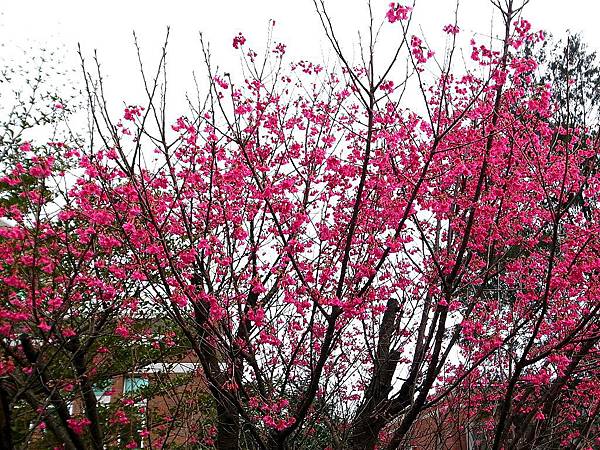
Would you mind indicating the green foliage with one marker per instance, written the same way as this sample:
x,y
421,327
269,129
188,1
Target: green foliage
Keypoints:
x,y
573,70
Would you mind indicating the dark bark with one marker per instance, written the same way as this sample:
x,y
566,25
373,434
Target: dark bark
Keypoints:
x,y
228,418
61,429
372,417
365,433
6,441
55,425
89,400
228,426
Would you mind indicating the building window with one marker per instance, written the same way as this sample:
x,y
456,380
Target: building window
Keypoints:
x,y
102,392
134,384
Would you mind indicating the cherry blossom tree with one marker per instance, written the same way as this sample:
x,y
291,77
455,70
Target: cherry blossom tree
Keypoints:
x,y
340,260
67,322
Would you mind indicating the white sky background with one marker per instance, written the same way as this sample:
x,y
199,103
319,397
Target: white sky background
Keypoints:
x,y
107,25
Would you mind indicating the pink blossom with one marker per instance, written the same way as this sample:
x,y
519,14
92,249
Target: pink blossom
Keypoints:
x,y
451,29
238,41
397,12
78,425
44,326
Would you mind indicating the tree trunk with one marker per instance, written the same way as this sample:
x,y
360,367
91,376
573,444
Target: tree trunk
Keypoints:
x,y
365,434
228,426
5,421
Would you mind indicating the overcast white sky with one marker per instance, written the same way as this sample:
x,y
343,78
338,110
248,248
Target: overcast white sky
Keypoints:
x,y
107,25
